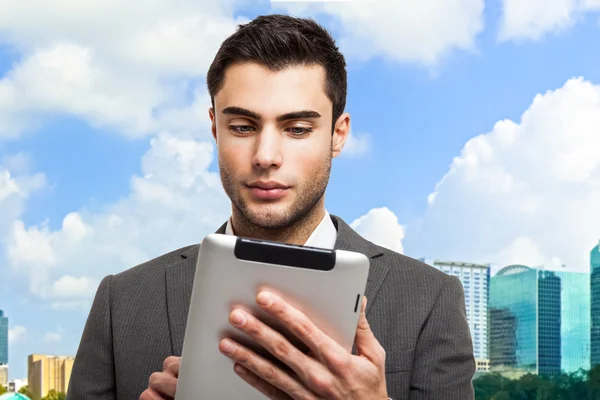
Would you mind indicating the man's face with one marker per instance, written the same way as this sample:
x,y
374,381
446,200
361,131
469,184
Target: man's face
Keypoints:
x,y
275,144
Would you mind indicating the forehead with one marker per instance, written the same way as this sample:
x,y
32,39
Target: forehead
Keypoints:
x,y
255,87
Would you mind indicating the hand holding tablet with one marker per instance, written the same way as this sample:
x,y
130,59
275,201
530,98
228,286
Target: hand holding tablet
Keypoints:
x,y
288,314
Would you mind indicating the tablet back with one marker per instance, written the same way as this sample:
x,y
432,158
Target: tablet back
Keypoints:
x,y
326,285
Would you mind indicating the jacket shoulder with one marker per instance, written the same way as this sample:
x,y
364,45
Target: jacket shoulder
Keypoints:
x,y
151,268
410,281
400,264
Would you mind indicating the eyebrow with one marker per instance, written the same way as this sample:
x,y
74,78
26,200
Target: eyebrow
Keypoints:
x,y
233,110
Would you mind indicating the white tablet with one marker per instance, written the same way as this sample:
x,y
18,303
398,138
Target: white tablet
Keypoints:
x,y
326,285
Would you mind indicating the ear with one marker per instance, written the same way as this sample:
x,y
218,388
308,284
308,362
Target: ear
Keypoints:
x,y
340,134
213,122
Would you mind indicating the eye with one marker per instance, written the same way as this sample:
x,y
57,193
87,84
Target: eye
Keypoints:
x,y
298,131
241,129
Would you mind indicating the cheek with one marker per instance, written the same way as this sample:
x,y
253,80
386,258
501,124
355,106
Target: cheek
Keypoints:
x,y
308,162
233,156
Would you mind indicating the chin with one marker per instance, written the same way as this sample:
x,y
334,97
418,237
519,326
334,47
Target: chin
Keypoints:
x,y
269,217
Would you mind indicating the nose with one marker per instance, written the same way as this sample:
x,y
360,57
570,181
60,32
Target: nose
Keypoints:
x,y
268,152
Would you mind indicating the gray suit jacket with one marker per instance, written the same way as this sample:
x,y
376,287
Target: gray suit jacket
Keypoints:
x,y
417,313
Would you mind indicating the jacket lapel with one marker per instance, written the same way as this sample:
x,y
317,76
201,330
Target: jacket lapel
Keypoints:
x,y
180,278
348,239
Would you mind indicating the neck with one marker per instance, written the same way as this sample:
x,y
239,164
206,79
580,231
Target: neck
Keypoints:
x,y
297,233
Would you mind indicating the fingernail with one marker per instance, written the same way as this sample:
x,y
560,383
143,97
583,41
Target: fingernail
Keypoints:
x,y
227,347
264,299
238,317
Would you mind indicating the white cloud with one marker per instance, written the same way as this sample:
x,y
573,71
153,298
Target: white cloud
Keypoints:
x,y
357,145
380,226
16,334
420,31
525,192
109,63
175,203
14,191
533,18
141,72
71,287
54,337
70,305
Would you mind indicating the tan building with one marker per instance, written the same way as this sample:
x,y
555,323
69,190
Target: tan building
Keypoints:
x,y
48,372
482,365
4,375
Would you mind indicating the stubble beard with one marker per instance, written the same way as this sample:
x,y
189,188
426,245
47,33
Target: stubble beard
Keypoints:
x,y
309,194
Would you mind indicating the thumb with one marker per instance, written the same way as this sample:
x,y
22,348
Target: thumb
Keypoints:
x,y
365,341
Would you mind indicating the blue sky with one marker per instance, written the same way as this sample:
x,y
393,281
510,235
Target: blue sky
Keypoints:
x,y
99,182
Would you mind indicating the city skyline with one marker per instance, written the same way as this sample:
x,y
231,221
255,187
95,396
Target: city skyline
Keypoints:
x,y
572,335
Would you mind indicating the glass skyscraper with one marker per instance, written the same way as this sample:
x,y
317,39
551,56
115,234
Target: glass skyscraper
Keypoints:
x,y
595,306
3,338
475,279
539,321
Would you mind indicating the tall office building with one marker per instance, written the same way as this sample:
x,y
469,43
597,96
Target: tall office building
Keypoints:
x,y
595,305
475,279
3,339
48,372
539,321
3,349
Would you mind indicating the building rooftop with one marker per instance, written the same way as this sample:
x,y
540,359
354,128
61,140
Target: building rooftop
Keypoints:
x,y
513,269
460,264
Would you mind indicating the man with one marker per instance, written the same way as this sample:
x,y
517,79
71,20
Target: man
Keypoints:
x,y
278,89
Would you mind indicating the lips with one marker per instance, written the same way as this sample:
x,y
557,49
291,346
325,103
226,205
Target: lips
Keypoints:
x,y
270,190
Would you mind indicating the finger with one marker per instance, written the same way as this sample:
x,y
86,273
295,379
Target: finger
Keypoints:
x,y
324,348
274,342
163,383
150,394
263,369
366,343
265,388
173,368
169,361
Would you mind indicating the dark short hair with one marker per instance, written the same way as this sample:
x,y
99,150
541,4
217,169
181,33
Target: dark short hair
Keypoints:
x,y
280,41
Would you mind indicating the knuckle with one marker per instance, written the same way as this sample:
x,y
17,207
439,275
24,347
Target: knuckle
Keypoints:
x,y
281,311
322,348
320,382
339,364
281,349
154,379
254,328
303,329
270,374
363,325
168,361
241,356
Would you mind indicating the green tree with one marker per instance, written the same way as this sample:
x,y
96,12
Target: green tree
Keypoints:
x,y
548,390
487,385
594,383
528,386
3,390
25,390
54,395
502,395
